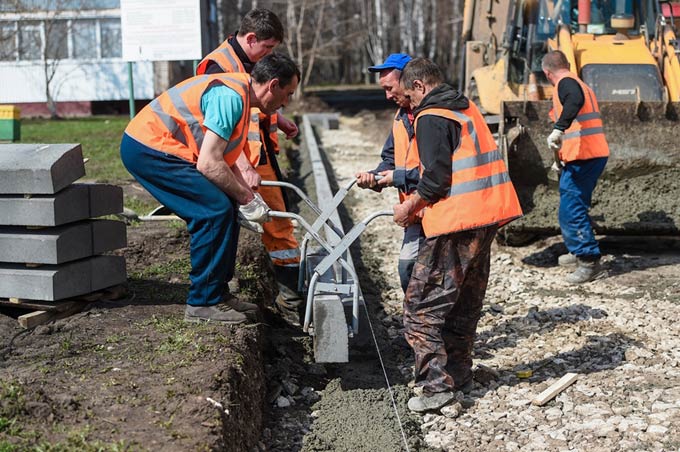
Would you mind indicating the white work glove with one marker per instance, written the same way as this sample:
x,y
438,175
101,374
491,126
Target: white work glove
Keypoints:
x,y
555,140
250,225
256,210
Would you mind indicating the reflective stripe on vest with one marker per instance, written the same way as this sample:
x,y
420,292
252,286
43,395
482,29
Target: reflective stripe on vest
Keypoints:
x,y
170,111
168,121
584,139
481,193
255,137
285,254
224,56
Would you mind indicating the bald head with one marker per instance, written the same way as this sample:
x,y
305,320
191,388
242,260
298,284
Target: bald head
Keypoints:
x,y
555,61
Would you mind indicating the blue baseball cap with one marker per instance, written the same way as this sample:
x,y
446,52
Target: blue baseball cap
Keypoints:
x,y
394,61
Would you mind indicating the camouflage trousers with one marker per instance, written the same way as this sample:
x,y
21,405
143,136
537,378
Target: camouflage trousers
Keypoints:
x,y
443,304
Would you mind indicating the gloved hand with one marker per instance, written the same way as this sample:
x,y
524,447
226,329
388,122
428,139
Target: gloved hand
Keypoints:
x,y
256,210
249,225
555,140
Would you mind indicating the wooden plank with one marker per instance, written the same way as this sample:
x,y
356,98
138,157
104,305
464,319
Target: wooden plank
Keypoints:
x,y
41,317
110,293
555,389
34,318
34,304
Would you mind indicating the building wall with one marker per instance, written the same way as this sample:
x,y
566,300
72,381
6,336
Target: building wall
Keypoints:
x,y
75,81
78,50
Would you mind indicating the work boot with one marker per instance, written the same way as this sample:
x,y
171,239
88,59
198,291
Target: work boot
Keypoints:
x,y
288,301
220,313
249,309
585,271
566,260
429,402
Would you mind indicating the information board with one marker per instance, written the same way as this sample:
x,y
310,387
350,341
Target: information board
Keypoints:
x,y
161,30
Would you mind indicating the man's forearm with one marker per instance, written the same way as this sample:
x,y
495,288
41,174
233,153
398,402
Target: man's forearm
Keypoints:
x,y
224,178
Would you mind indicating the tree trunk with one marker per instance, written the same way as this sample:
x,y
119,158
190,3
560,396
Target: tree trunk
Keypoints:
x,y
379,55
434,19
315,43
419,16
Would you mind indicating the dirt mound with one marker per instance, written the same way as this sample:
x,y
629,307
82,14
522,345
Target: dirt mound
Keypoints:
x,y
130,373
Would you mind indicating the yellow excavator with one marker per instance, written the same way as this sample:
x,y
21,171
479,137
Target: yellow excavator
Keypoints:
x,y
627,52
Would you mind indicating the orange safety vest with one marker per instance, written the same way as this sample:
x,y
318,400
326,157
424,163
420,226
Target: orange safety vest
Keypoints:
x,y
584,139
405,157
255,137
224,56
481,192
173,122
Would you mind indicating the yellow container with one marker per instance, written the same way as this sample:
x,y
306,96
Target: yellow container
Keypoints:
x,y
9,112
10,123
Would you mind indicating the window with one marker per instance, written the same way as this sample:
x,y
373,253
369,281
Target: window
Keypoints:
x,y
30,41
84,39
8,41
56,33
75,38
111,39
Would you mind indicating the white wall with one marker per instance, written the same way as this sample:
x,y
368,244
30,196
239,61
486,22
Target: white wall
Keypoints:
x,y
75,81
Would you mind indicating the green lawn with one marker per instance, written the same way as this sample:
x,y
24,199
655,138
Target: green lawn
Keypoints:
x,y
99,136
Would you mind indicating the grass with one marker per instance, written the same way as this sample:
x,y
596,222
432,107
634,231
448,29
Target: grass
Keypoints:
x,y
164,270
99,137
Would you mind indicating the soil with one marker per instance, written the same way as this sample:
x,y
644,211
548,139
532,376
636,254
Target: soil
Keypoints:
x,y
128,374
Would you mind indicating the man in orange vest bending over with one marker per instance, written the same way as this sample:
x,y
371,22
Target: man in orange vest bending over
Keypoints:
x,y
464,194
183,146
260,31
582,150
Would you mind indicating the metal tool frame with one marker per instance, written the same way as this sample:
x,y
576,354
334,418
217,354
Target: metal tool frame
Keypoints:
x,y
336,245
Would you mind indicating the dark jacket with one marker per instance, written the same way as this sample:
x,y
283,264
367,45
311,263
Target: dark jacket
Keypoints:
x,y
572,100
437,139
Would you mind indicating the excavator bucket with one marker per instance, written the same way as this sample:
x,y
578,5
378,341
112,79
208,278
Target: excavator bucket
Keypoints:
x,y
639,192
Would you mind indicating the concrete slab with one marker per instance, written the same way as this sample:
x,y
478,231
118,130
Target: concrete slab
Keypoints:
x,y
107,271
69,205
39,168
108,235
59,244
48,282
105,199
46,245
75,203
331,341
57,282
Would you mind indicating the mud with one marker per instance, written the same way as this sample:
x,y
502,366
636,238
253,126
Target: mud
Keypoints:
x,y
644,204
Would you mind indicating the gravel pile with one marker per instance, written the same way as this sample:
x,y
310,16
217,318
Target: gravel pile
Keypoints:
x,y
619,334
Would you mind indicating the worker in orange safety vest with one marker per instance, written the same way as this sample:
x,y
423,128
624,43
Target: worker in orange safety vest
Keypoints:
x,y
464,195
398,166
259,33
581,153
183,147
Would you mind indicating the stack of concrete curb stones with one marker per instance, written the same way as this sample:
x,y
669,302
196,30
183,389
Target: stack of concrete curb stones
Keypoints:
x,y
50,247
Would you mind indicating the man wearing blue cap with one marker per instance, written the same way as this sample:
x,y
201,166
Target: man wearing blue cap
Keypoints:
x,y
397,168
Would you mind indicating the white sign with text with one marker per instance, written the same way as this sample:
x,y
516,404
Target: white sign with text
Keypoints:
x,y
161,30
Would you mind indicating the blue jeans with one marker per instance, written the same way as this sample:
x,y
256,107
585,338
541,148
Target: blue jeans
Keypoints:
x,y
210,215
577,183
